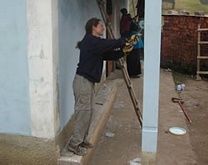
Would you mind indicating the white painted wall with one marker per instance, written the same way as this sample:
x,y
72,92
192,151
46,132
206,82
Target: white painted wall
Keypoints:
x,y
42,75
152,44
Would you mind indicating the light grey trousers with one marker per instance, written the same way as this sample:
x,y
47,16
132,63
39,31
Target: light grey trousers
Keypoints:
x,y
84,101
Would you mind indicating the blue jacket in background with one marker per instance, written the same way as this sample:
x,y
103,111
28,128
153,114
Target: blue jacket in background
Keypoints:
x,y
139,44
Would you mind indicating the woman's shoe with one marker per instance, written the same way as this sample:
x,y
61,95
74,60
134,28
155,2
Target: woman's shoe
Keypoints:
x,y
86,144
78,150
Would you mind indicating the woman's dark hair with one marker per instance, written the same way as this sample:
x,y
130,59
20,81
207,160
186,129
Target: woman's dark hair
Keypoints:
x,y
90,23
88,27
124,11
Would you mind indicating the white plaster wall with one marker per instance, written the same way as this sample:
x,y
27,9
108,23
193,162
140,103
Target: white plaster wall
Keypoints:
x,y
55,54
41,70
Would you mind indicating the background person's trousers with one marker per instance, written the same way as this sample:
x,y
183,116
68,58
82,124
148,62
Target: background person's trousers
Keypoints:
x,y
84,100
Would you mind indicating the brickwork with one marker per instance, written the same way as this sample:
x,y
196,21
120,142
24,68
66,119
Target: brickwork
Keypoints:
x,y
179,42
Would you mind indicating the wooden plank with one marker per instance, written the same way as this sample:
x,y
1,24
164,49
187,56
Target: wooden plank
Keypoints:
x,y
202,29
202,42
199,57
198,54
202,72
202,57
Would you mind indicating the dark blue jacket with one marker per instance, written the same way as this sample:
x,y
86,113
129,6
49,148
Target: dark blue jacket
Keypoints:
x,y
93,50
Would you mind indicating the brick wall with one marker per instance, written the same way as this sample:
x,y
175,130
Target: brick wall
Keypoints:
x,y
179,43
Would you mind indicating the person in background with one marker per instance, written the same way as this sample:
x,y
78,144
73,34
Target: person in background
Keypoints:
x,y
125,23
140,9
93,51
124,28
133,59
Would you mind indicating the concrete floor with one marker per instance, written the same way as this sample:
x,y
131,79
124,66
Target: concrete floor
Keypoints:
x,y
116,132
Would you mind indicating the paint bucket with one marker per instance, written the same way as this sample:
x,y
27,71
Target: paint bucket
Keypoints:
x,y
180,87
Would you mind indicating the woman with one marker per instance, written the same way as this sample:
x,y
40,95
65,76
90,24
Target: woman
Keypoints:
x,y
125,23
133,59
93,50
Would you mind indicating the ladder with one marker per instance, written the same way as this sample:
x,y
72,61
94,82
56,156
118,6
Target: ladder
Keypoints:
x,y
128,82
199,56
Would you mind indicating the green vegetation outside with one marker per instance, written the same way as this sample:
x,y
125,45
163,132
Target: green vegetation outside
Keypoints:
x,y
191,6
180,5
